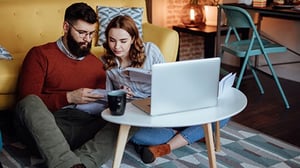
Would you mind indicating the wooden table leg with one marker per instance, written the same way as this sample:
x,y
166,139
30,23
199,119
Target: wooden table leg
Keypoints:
x,y
121,143
210,145
217,136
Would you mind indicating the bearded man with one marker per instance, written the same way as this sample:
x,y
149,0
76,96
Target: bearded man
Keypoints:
x,y
54,78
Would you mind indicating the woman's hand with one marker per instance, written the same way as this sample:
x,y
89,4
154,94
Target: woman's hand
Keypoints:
x,y
129,92
82,96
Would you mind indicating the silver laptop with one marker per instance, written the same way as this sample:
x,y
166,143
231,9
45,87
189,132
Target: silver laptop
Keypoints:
x,y
182,86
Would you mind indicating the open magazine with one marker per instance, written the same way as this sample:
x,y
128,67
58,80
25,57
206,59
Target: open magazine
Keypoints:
x,y
226,82
94,108
139,75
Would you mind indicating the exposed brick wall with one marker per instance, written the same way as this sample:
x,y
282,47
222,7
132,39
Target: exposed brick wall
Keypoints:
x,y
191,47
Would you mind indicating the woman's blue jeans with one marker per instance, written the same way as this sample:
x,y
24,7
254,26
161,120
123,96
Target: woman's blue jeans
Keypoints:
x,y
155,136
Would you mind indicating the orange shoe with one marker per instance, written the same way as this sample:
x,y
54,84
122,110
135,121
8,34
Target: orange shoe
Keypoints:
x,y
149,154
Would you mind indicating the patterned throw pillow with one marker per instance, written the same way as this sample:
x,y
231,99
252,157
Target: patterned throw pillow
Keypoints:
x,y
106,14
4,54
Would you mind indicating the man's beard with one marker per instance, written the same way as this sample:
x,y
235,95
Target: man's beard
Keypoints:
x,y
75,47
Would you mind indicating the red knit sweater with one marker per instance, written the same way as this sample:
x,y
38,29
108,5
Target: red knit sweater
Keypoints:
x,y
49,73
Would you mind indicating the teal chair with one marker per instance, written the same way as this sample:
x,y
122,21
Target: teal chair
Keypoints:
x,y
254,46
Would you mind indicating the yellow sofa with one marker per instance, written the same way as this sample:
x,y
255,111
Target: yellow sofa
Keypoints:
x,y
26,23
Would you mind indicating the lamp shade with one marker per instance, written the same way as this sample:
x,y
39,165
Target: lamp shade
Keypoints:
x,y
193,14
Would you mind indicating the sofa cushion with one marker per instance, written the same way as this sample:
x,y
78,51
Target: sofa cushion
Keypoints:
x,y
4,54
106,14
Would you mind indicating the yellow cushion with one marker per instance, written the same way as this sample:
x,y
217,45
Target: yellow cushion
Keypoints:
x,y
166,39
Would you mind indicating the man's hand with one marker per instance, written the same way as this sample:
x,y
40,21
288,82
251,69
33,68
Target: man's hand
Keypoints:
x,y
82,96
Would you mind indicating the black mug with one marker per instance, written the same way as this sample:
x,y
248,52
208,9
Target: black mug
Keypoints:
x,y
116,102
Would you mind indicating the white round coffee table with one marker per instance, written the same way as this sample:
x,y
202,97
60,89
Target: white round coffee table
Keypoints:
x,y
229,104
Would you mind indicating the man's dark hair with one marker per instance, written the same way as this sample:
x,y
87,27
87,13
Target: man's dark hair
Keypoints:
x,y
80,11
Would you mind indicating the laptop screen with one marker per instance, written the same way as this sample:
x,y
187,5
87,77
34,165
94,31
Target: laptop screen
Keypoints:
x,y
184,85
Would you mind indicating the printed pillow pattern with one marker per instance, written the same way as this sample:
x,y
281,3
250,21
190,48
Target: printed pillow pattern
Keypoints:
x,y
4,54
106,14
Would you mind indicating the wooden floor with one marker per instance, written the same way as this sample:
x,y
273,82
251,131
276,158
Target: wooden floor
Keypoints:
x,y
267,113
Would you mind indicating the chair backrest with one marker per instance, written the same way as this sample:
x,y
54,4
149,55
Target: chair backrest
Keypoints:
x,y
237,17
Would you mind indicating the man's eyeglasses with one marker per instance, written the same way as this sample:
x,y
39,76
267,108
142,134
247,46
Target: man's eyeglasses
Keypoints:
x,y
82,33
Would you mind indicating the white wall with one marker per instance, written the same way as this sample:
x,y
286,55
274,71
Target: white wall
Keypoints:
x,y
284,31
159,12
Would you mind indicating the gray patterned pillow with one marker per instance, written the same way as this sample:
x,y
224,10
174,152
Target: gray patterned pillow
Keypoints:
x,y
106,14
4,54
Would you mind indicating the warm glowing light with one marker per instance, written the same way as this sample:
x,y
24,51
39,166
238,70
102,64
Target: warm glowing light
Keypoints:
x,y
192,15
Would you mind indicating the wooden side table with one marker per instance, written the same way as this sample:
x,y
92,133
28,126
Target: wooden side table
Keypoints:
x,y
209,33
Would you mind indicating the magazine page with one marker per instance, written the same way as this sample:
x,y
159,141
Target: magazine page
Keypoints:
x,y
94,108
139,75
226,82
